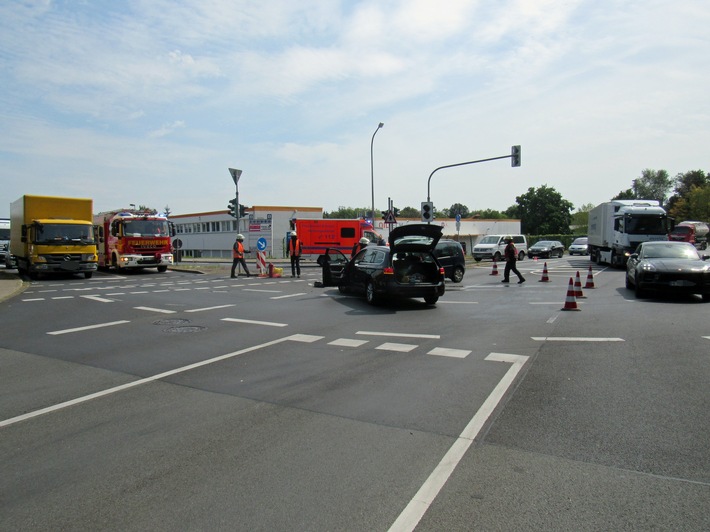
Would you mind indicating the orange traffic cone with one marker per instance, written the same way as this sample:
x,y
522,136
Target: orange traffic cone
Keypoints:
x,y
495,268
570,302
578,287
590,278
545,278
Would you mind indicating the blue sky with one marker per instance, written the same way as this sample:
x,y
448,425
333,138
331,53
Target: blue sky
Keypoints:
x,y
150,101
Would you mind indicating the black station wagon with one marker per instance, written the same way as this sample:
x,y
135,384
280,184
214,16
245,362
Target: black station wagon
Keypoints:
x,y
407,268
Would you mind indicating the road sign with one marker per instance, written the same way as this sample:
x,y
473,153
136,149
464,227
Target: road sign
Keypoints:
x,y
236,174
261,244
389,218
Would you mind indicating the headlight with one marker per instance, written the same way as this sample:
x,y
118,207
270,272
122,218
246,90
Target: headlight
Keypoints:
x,y
648,267
88,257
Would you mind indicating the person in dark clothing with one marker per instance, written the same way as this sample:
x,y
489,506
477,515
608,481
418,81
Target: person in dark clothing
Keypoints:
x,y
238,256
511,257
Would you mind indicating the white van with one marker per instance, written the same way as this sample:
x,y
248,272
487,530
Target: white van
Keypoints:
x,y
493,247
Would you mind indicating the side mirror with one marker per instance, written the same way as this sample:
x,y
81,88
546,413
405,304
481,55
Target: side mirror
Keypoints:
x,y
634,256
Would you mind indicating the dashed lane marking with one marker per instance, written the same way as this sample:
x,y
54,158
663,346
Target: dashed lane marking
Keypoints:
x,y
399,335
447,352
255,322
347,342
151,309
88,327
99,299
400,348
210,308
289,295
574,339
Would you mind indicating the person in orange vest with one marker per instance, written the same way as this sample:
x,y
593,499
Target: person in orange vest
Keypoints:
x,y
238,255
295,250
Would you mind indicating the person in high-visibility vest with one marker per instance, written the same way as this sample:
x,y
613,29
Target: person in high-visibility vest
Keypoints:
x,y
238,256
295,250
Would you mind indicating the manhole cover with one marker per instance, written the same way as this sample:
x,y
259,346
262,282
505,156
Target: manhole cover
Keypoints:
x,y
184,329
174,321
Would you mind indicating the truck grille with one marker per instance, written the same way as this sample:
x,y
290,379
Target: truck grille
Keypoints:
x,y
60,259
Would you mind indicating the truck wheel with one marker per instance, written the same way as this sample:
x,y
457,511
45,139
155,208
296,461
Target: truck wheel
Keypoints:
x,y
87,275
162,269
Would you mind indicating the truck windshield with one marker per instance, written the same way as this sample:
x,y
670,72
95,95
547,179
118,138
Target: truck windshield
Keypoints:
x,y
145,228
646,225
4,234
63,234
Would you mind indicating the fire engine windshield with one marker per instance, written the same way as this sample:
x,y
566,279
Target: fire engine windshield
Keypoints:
x,y
145,228
63,234
645,225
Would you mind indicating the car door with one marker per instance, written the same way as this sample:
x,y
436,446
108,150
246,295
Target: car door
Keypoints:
x,y
334,266
365,266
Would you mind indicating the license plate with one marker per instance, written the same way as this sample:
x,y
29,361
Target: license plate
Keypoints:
x,y
681,283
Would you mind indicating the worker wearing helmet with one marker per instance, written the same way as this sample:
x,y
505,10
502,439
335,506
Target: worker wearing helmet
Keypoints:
x,y
295,250
238,256
360,245
511,257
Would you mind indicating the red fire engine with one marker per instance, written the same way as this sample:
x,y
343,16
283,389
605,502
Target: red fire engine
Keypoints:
x,y
133,239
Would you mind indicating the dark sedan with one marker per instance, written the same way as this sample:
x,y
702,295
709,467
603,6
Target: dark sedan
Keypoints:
x,y
674,267
407,268
546,249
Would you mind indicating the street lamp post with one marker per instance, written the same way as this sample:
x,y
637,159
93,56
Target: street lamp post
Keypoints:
x,y
372,170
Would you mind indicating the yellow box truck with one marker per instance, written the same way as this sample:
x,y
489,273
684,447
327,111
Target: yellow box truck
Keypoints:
x,y
53,235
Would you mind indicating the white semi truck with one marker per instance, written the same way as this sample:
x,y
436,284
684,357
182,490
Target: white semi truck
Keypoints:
x,y
617,227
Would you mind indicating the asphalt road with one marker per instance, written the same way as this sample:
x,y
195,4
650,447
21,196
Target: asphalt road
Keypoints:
x,y
185,401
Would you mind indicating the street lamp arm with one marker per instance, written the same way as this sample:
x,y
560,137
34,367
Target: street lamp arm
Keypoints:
x,y
372,170
428,183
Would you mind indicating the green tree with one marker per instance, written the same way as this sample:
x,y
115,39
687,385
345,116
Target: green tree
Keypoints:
x,y
625,194
410,212
684,183
653,184
488,214
543,211
580,219
458,208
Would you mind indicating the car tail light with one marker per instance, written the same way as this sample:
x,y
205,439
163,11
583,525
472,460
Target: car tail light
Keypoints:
x,y
388,271
442,271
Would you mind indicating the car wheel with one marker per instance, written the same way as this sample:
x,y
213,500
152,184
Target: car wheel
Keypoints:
x,y
457,275
521,256
497,257
559,255
342,289
629,286
706,297
370,293
431,300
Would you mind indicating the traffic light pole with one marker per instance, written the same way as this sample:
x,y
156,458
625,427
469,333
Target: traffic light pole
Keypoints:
x,y
428,184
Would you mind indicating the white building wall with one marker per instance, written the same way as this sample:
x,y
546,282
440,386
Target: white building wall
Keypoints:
x,y
212,234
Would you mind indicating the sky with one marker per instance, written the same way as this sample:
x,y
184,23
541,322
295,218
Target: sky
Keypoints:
x,y
149,102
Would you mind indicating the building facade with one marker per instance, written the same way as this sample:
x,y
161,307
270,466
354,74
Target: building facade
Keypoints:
x,y
266,228
212,234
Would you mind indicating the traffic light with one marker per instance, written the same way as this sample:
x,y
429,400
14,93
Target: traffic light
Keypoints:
x,y
395,211
427,211
241,210
232,207
385,214
515,156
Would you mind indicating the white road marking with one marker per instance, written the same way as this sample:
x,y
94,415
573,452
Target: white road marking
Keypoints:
x,y
346,342
447,352
115,389
261,290
399,335
34,299
254,322
457,302
574,339
290,295
151,309
417,507
400,348
98,298
210,308
88,327
63,297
